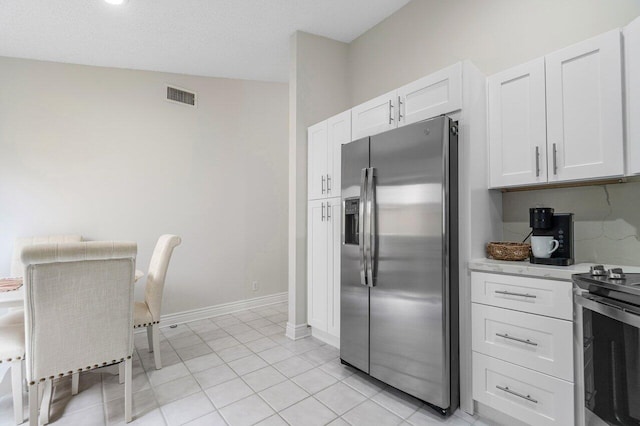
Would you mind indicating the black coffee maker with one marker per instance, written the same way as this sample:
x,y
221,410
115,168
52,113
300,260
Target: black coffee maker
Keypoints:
x,y
544,222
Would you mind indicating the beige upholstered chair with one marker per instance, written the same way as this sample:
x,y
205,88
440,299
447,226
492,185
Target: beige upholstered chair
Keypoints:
x,y
17,270
147,313
78,313
12,351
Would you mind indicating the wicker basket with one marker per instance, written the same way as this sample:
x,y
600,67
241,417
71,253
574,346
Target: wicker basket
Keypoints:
x,y
508,251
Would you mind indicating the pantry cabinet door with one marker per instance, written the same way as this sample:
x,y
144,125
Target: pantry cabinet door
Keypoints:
x,y
318,271
584,110
375,116
517,126
632,89
436,94
317,161
339,134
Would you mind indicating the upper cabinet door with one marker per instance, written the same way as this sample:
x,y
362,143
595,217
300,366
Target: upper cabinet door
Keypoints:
x,y
517,126
584,110
430,96
317,161
339,134
632,73
375,116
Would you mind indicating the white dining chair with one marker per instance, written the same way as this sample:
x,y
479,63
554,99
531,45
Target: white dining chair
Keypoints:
x,y
78,314
147,313
12,350
17,269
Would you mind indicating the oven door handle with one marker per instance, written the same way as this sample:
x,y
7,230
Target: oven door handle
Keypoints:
x,y
609,308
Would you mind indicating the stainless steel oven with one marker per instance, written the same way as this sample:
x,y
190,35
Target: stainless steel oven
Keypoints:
x,y
607,347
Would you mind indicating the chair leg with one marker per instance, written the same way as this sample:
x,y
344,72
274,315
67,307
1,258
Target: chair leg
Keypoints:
x,y
155,331
33,404
46,402
16,385
150,337
75,383
121,373
128,391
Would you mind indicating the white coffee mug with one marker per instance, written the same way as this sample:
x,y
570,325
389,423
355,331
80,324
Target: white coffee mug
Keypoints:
x,y
543,246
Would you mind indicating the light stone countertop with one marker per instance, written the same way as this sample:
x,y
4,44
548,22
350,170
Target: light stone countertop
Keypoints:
x,y
524,268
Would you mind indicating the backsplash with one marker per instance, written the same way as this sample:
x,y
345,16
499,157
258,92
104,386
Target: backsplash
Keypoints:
x,y
606,219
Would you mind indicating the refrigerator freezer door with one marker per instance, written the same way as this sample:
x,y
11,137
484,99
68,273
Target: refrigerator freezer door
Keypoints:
x,y
354,295
409,331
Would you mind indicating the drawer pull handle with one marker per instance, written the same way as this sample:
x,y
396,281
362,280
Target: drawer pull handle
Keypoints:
x,y
507,390
506,336
508,293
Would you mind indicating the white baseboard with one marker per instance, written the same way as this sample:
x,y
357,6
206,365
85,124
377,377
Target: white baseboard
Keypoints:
x,y
222,309
295,332
327,338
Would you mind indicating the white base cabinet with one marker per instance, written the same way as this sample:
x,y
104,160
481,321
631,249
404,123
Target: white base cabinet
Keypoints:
x,y
581,135
522,342
323,265
529,396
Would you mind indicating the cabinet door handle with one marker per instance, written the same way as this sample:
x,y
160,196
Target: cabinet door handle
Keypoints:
x,y
322,217
537,161
555,159
328,184
508,293
506,336
400,116
518,394
390,112
322,184
328,212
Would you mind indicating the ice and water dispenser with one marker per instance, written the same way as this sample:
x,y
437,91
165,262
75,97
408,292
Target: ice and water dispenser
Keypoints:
x,y
351,213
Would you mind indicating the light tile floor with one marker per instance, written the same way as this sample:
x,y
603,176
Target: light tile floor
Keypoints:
x,y
238,369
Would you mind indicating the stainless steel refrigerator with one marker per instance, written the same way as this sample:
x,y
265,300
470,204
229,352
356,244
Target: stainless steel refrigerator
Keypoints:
x,y
399,273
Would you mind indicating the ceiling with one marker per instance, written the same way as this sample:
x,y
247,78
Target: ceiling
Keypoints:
x,y
246,39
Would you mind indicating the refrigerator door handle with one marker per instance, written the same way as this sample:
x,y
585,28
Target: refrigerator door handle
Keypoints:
x,y
371,225
361,228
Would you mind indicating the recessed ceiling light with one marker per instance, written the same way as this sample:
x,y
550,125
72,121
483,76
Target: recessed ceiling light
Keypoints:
x,y
117,2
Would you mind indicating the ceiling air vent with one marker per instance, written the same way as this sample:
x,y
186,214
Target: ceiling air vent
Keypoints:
x,y
181,96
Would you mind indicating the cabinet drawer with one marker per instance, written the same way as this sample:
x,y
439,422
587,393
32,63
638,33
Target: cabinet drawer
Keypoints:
x,y
533,341
537,296
532,397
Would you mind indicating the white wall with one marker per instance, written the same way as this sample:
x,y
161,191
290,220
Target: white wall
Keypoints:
x,y
99,152
318,89
427,35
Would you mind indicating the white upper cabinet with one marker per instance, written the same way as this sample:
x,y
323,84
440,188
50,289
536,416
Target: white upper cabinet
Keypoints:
x,y
517,126
581,135
584,110
436,94
339,127
375,116
325,141
632,84
318,160
430,96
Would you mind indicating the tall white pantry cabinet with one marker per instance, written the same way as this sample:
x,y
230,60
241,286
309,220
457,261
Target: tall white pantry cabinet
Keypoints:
x,y
325,141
